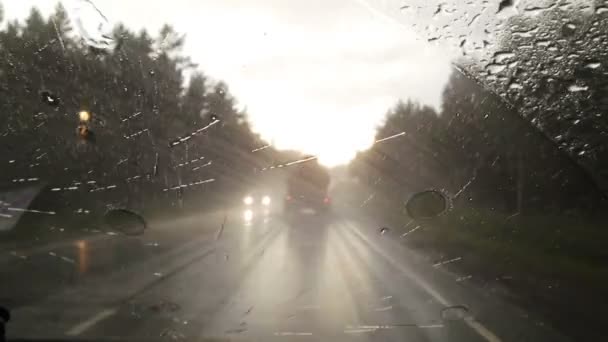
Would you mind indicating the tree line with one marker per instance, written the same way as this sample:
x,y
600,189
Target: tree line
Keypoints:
x,y
521,143
153,137
117,126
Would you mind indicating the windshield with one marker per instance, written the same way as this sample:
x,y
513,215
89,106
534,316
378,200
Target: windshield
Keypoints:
x,y
348,170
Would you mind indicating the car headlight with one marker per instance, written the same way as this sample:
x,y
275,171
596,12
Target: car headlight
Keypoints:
x,y
266,200
248,215
248,200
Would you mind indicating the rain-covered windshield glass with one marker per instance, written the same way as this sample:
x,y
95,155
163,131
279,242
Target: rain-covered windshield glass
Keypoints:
x,y
348,170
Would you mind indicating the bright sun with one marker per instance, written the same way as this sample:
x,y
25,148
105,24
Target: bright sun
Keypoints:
x,y
334,135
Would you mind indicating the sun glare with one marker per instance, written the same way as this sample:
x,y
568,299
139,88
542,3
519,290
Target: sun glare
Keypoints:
x,y
334,135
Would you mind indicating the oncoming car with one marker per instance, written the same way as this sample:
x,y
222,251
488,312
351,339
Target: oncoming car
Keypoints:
x,y
256,204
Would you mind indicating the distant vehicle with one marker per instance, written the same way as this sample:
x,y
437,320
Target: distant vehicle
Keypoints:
x,y
257,204
257,200
307,188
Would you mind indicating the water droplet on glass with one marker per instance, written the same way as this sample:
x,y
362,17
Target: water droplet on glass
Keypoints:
x,y
513,64
593,65
49,99
125,221
505,4
495,68
575,88
384,230
92,25
601,10
474,20
426,204
501,56
438,10
543,43
515,85
568,29
455,313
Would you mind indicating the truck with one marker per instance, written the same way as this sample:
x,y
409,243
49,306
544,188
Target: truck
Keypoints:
x,y
307,188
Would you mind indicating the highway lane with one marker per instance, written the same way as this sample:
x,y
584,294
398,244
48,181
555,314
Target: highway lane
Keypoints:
x,y
275,278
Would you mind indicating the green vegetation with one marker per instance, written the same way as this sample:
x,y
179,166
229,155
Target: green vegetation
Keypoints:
x,y
540,247
155,139
526,177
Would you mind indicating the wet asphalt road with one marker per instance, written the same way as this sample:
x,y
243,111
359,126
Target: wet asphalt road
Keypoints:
x,y
306,278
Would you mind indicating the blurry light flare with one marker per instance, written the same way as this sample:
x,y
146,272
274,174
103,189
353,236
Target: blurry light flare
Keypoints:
x,y
84,116
334,144
266,200
248,200
83,257
83,130
248,215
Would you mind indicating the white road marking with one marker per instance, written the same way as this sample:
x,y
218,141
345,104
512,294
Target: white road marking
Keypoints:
x,y
289,333
476,326
374,327
84,326
358,331
431,326
385,308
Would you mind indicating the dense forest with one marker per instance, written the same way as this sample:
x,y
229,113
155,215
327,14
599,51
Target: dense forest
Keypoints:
x,y
518,146
520,131
479,149
97,126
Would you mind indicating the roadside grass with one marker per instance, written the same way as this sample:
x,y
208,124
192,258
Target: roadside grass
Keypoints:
x,y
556,248
551,246
34,229
554,265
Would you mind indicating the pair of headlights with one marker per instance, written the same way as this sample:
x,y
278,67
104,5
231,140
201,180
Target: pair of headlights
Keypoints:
x,y
249,200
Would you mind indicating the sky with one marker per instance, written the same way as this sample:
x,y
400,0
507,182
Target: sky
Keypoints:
x,y
316,76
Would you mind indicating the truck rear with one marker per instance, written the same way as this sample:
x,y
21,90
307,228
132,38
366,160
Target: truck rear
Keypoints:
x,y
307,188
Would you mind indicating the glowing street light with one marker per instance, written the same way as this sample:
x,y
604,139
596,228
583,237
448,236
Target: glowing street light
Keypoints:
x,y
84,116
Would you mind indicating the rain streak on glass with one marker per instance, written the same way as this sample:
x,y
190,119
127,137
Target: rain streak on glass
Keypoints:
x,y
49,99
93,26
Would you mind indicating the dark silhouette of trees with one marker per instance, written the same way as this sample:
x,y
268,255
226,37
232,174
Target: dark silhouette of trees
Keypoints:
x,y
152,138
523,158
482,146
